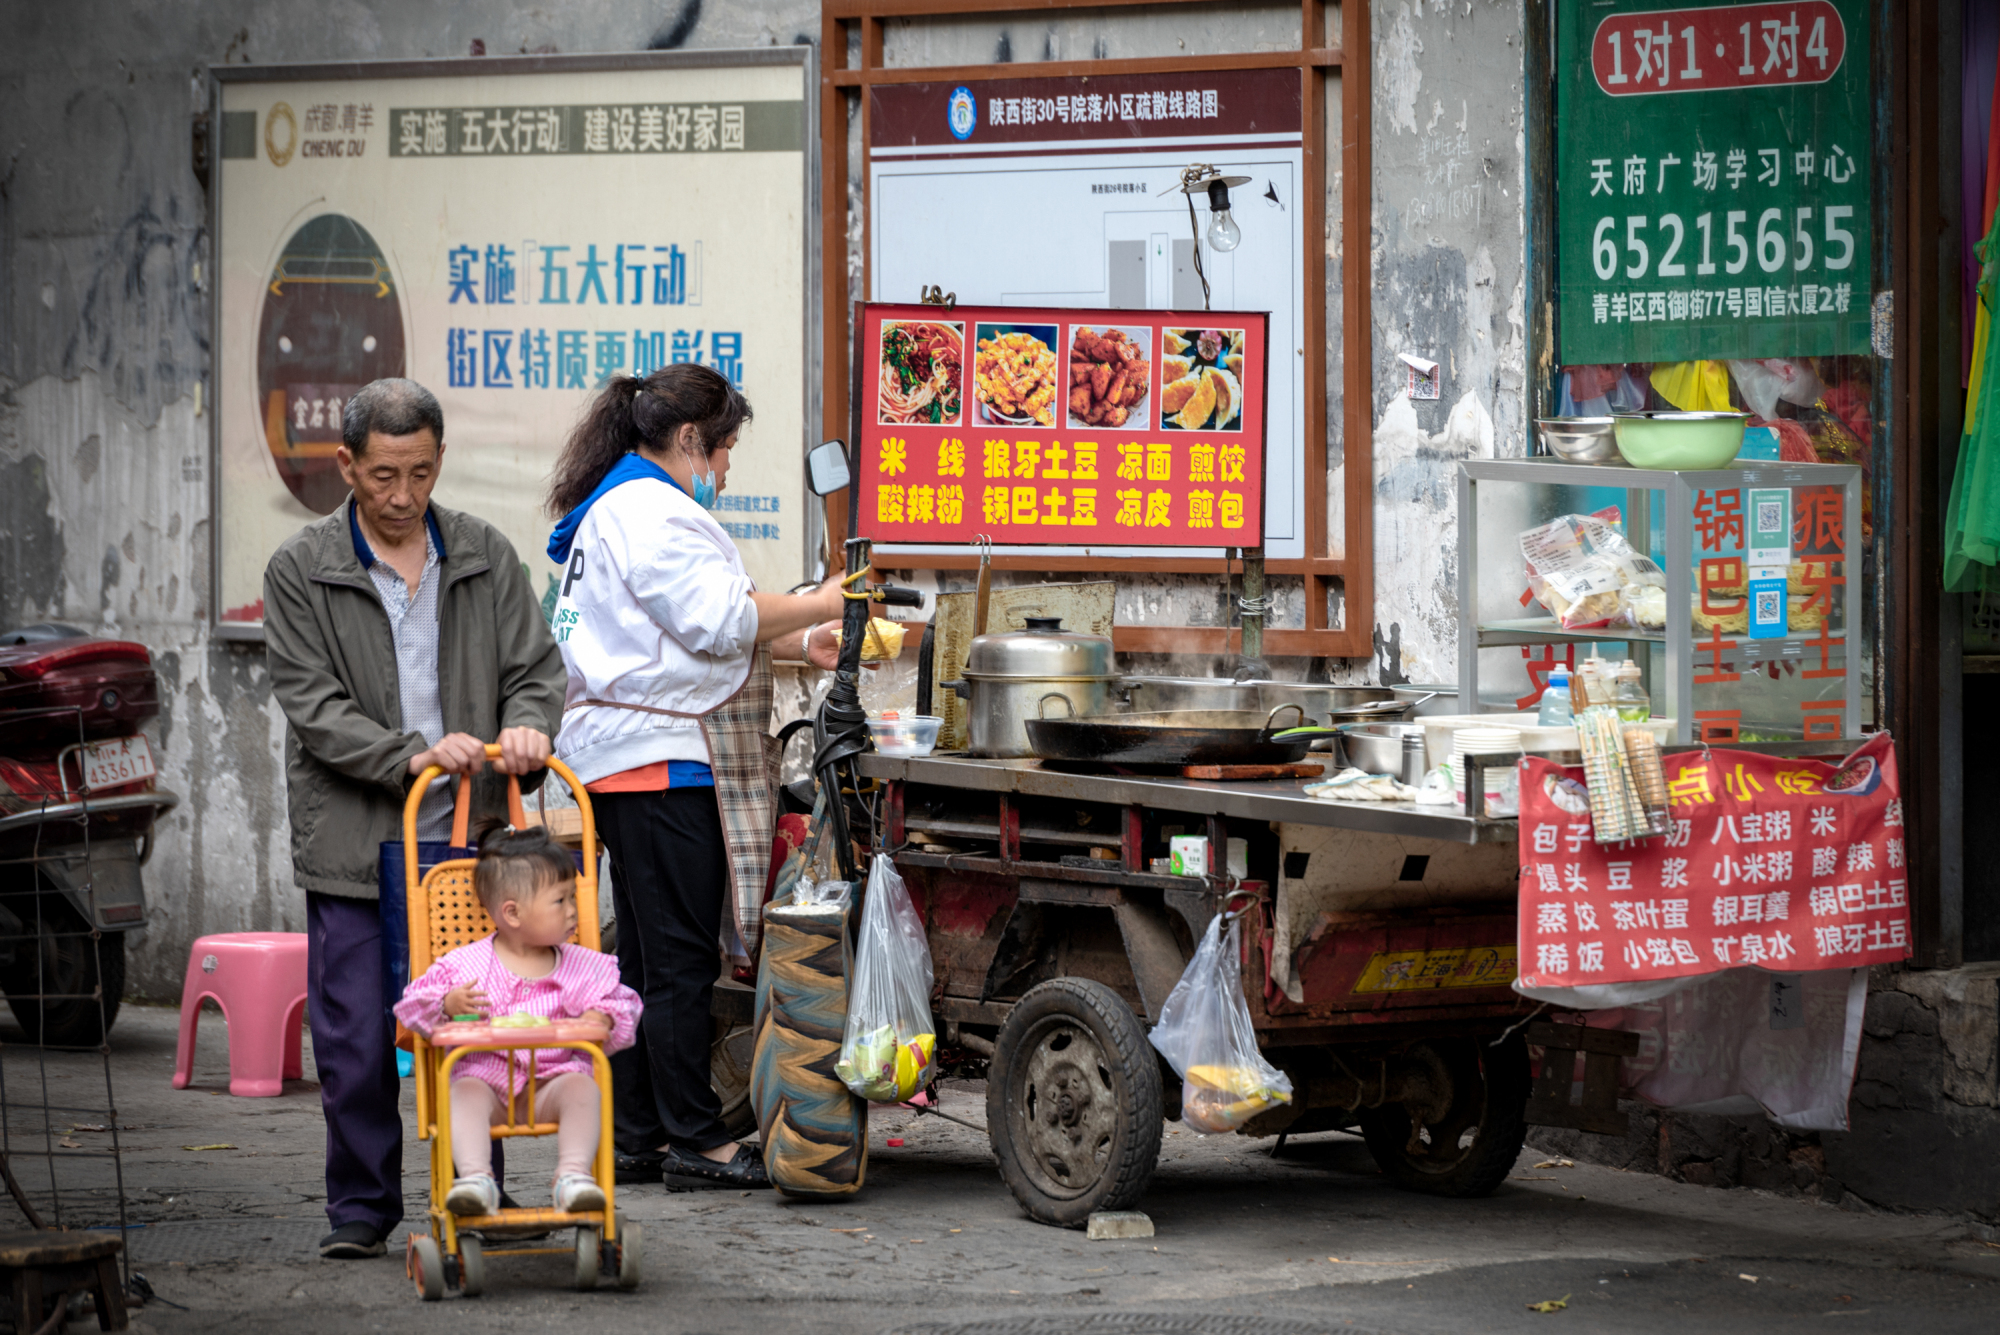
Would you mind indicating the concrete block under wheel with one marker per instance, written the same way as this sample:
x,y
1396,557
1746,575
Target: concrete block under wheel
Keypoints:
x,y
1120,1224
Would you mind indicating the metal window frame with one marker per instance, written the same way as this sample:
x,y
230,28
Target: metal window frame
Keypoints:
x,y
1354,569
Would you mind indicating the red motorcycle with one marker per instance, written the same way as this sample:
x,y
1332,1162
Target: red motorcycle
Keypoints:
x,y
78,804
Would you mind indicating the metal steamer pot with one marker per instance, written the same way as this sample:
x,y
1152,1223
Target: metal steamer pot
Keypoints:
x,y
1010,677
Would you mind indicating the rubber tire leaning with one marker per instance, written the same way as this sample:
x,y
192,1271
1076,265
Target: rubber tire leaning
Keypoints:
x,y
1502,1126
63,962
589,1246
1134,1079
429,1263
471,1267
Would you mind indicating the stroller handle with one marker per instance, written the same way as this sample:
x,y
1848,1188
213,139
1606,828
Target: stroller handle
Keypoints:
x,y
516,814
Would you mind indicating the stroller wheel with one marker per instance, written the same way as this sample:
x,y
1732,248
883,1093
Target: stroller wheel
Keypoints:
x,y
589,1243
628,1257
471,1267
426,1266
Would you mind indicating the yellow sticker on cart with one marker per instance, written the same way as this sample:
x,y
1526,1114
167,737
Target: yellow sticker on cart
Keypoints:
x,y
1417,970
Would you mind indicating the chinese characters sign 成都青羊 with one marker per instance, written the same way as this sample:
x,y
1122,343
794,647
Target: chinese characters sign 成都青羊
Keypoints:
x,y
1788,864
1063,427
1713,181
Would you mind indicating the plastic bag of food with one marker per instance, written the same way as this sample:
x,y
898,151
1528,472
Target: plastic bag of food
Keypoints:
x,y
1581,568
1204,1033
885,1055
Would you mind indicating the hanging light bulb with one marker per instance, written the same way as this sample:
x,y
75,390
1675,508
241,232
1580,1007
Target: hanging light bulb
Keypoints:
x,y
1223,234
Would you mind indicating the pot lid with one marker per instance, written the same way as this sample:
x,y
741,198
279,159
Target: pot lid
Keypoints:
x,y
1044,649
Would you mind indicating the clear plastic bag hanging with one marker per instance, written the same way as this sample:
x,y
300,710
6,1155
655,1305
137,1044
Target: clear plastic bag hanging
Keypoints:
x,y
885,1054
1205,1034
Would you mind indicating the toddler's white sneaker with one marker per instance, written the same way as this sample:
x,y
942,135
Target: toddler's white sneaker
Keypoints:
x,y
576,1192
475,1195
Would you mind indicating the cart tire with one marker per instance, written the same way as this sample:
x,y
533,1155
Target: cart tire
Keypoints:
x,y
1073,1102
1486,1124
426,1266
471,1267
589,1244
628,1257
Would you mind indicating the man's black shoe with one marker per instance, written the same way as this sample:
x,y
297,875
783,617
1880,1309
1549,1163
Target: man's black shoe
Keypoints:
x,y
744,1169
637,1169
352,1242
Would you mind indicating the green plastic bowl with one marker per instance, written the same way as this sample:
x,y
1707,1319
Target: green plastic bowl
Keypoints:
x,y
1679,441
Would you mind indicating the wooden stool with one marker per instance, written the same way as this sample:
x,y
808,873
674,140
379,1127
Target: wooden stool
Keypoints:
x,y
45,1267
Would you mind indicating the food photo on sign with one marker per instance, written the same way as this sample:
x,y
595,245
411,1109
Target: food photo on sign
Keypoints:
x,y
1038,427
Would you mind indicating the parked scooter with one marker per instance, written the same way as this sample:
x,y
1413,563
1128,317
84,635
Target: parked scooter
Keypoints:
x,y
78,804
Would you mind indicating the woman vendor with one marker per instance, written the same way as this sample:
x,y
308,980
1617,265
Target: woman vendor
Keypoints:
x,y
666,720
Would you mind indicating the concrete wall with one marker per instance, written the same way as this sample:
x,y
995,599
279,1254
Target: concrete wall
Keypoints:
x,y
1449,243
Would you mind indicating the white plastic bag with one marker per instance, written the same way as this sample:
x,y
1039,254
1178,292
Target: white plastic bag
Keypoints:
x,y
1204,1033
885,1054
1581,568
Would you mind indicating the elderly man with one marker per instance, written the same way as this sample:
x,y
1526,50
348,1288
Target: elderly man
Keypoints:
x,y
400,635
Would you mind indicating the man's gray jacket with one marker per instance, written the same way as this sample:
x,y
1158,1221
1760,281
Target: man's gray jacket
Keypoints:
x,y
333,670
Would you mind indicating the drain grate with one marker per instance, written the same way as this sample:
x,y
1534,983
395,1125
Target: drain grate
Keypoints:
x,y
200,1241
1133,1323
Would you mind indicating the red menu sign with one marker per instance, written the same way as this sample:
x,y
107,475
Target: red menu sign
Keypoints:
x,y
1783,863
1043,427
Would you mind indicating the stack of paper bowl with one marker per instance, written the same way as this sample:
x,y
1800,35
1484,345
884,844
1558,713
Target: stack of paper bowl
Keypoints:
x,y
1483,742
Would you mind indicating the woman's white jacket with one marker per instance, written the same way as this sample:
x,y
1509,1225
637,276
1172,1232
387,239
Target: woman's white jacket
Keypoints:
x,y
653,609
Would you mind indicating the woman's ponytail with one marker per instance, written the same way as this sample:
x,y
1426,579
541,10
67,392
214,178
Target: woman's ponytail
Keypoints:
x,y
629,412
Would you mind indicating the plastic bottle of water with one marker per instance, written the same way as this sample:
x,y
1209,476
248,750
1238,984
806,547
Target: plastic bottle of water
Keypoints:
x,y
1555,709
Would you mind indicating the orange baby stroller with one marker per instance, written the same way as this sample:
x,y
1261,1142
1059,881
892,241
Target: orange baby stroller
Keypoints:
x,y
445,914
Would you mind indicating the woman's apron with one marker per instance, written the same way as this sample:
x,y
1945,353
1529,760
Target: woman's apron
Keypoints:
x,y
744,758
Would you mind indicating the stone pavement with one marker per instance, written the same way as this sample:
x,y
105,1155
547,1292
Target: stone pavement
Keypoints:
x,y
1312,1242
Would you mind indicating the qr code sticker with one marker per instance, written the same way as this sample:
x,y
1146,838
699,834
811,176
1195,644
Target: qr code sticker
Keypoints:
x,y
1767,607
1770,516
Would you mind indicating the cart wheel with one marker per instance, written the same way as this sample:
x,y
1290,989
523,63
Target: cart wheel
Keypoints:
x,y
1073,1102
1472,1148
426,1266
471,1267
628,1257
589,1242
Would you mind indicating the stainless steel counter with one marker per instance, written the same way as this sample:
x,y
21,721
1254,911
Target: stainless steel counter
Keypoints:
x,y
1265,799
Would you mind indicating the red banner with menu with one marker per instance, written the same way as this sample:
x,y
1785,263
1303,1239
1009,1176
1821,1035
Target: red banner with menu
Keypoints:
x,y
1045,427
1787,864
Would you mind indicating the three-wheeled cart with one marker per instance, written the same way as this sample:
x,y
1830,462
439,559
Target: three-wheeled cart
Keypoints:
x,y
1378,952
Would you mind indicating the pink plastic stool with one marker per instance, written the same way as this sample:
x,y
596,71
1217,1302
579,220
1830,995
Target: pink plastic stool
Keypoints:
x,y
259,980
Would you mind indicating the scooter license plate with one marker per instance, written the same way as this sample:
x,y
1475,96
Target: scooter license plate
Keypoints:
x,y
115,763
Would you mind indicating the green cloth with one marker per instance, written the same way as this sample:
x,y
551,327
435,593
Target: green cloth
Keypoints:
x,y
1972,524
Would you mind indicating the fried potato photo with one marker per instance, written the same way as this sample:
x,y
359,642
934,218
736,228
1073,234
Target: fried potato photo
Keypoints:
x,y
1014,371
1109,375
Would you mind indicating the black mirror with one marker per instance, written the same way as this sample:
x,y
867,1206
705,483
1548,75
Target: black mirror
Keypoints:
x,y
826,468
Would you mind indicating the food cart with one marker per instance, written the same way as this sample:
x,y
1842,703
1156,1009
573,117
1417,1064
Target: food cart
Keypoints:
x,y
1378,957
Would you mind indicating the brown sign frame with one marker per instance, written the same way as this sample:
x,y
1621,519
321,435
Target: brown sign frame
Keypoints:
x,y
1348,562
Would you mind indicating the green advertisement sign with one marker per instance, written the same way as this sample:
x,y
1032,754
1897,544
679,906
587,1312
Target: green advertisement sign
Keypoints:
x,y
1712,180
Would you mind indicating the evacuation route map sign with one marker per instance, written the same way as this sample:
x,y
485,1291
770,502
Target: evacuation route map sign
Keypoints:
x,y
1787,864
1713,181
1088,428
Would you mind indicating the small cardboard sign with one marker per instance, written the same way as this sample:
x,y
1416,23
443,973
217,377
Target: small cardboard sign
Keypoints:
x,y
1424,380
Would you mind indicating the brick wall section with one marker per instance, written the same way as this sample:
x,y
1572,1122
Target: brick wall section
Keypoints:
x,y
1925,1114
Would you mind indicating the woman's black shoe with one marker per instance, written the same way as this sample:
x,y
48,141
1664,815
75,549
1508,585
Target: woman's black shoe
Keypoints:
x,y
744,1169
636,1169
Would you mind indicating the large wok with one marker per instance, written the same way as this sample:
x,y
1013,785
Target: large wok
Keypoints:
x,y
1175,737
